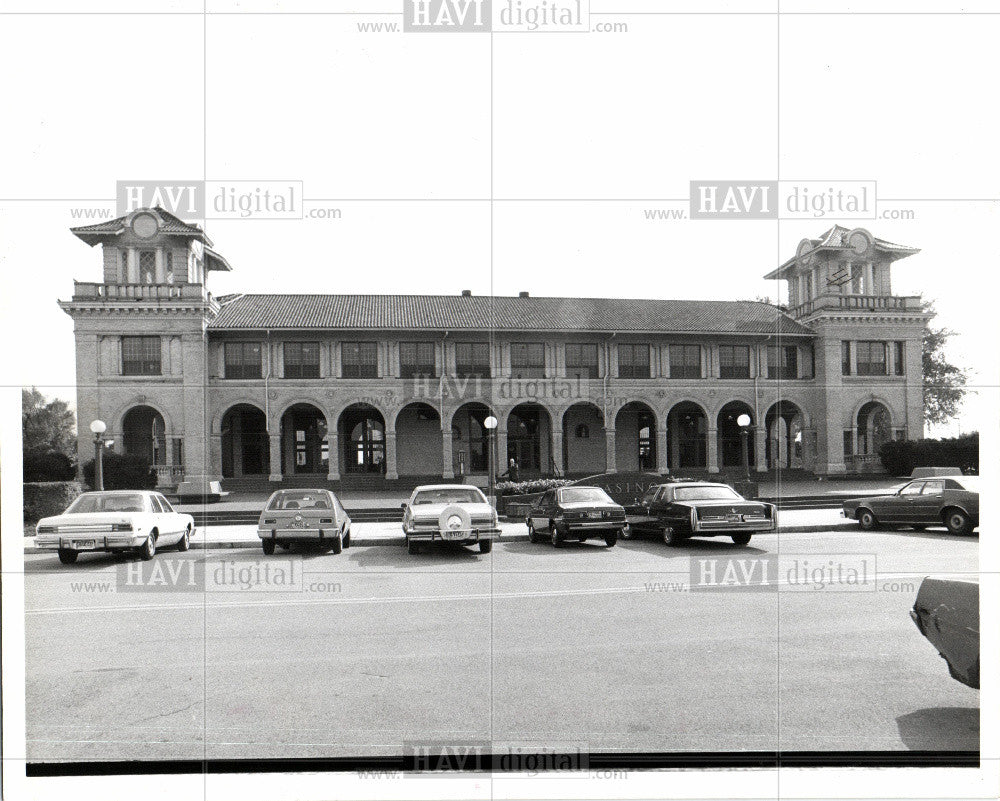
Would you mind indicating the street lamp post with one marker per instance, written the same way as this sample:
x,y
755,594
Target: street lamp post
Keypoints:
x,y
98,427
743,421
490,423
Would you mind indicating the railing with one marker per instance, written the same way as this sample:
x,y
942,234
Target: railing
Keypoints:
x,y
95,291
169,475
864,463
858,303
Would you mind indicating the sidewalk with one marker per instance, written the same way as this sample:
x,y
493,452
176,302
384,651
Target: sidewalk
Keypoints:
x,y
374,534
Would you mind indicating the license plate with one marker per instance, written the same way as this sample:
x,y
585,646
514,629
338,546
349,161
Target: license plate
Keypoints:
x,y
596,515
455,535
297,524
733,518
83,543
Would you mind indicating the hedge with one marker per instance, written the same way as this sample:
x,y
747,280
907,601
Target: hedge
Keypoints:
x,y
47,498
48,466
529,487
899,457
122,471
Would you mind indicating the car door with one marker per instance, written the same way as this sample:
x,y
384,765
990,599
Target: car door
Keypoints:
x,y
540,514
926,506
157,519
171,520
646,516
904,507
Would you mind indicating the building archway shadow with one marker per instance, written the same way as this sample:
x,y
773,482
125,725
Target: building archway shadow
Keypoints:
x,y
946,728
718,546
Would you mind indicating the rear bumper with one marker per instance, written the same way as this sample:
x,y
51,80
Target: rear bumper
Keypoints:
x,y
307,534
437,535
590,525
727,526
102,542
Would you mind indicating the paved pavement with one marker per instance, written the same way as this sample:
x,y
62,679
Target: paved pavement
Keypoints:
x,y
606,647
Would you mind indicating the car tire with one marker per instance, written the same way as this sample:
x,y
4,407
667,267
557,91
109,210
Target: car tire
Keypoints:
x,y
184,543
485,546
532,534
337,544
741,539
867,520
555,537
148,549
67,556
611,538
412,547
672,537
957,521
268,546
626,533
347,538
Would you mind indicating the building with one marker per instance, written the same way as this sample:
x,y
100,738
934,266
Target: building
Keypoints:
x,y
377,389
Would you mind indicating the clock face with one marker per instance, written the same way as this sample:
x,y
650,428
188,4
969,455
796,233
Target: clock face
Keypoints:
x,y
144,225
859,242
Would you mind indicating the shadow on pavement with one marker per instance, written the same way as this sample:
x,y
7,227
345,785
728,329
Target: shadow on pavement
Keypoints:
x,y
949,728
429,556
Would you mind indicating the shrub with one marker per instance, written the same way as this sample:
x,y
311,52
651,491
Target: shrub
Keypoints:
x,y
529,487
44,499
48,466
899,457
123,471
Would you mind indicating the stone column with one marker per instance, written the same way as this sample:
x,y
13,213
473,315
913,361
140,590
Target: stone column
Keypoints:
x,y
333,448
557,450
611,457
713,450
500,455
275,440
447,459
760,446
661,450
390,456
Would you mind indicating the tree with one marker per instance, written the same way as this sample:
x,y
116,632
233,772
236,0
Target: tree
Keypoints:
x,y
944,383
46,426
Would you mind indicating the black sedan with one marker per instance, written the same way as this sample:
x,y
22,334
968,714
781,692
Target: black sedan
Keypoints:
x,y
682,509
951,501
575,513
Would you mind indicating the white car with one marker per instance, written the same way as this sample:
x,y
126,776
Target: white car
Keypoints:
x,y
456,513
115,521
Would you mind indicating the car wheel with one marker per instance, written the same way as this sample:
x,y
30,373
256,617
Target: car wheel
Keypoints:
x,y
555,536
185,541
67,557
741,539
347,538
957,521
671,536
532,534
867,520
412,547
268,546
148,549
611,538
626,533
337,544
485,546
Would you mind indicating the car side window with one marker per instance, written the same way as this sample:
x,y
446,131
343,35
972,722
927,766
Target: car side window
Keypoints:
x,y
912,489
548,499
933,488
165,505
155,503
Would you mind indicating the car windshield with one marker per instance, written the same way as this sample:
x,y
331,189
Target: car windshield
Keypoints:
x,y
303,499
449,495
93,502
706,494
584,495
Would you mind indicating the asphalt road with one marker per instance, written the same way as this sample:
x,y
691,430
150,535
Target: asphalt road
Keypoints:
x,y
611,649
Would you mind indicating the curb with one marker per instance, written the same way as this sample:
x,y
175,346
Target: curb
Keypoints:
x,y
400,541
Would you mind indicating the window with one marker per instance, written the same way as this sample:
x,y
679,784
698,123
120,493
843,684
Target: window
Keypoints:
x,y
123,274
898,367
178,448
782,362
633,361
472,359
417,359
734,361
301,360
581,360
685,361
243,360
845,357
147,266
934,487
360,359
912,489
155,503
527,359
165,504
141,356
809,363
170,266
848,442
870,358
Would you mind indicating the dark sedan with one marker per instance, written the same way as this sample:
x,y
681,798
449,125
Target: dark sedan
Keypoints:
x,y
951,501
575,513
947,613
683,509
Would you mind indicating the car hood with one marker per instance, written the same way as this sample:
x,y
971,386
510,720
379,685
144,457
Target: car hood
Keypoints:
x,y
434,510
88,519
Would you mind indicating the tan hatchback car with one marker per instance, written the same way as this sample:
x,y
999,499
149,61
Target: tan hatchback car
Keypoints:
x,y
313,516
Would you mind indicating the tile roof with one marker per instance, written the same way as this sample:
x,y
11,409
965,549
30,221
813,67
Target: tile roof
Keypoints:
x,y
171,225
836,239
458,312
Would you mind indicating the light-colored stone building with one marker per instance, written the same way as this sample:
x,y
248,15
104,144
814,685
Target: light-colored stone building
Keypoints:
x,y
378,389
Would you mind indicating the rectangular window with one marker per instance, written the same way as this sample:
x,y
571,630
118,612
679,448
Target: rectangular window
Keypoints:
x,y
147,266
178,448
360,359
782,362
141,356
527,360
848,442
734,361
416,359
845,357
123,274
633,361
243,360
685,361
581,360
898,365
871,357
472,359
301,359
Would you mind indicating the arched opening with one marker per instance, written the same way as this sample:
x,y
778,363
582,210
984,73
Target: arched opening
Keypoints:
x,y
687,426
784,444
529,434
144,435
635,438
470,439
730,435
246,447
418,440
584,448
874,428
304,448
362,437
